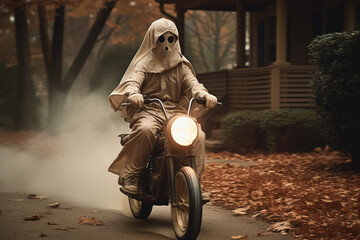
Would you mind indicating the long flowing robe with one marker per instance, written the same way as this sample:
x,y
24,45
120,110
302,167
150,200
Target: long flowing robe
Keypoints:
x,y
170,78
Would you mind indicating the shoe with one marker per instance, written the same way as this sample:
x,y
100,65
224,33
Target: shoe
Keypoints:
x,y
130,185
205,198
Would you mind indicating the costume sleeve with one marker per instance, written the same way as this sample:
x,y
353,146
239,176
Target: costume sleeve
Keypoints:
x,y
134,83
126,87
191,86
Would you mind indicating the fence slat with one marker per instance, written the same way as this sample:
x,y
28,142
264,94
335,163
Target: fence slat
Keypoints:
x,y
250,88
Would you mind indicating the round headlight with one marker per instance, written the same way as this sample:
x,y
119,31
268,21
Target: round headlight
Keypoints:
x,y
184,131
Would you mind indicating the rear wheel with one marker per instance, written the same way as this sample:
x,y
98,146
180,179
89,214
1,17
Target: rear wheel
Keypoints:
x,y
186,214
139,209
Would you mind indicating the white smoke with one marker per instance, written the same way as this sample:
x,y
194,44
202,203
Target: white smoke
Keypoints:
x,y
78,172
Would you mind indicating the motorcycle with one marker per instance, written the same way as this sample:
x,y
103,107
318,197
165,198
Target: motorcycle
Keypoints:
x,y
170,175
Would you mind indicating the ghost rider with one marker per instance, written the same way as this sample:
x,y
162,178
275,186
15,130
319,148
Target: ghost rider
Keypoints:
x,y
158,70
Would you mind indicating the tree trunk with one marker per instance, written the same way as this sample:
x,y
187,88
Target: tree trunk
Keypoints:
x,y
56,93
23,111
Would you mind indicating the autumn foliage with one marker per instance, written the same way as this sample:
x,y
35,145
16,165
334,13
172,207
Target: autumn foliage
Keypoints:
x,y
313,193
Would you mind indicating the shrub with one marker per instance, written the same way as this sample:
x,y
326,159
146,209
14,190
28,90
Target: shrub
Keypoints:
x,y
274,131
242,132
336,88
291,130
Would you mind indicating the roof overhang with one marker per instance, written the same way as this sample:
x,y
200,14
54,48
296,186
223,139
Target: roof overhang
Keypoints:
x,y
218,5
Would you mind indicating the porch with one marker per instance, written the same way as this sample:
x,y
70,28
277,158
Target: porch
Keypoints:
x,y
275,72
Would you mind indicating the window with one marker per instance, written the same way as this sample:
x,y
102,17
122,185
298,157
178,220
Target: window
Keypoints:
x,y
335,19
317,23
272,39
357,17
261,44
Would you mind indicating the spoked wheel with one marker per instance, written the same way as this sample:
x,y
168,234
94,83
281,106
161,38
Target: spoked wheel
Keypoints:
x,y
187,213
139,209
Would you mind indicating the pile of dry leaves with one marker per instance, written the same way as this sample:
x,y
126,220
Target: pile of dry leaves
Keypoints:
x,y
310,195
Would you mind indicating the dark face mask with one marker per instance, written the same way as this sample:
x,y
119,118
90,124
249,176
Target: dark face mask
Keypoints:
x,y
167,42
170,39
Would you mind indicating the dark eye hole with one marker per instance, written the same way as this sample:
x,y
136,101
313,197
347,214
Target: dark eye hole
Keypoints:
x,y
170,39
161,39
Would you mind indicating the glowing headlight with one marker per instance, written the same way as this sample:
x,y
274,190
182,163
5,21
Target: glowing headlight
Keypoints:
x,y
184,131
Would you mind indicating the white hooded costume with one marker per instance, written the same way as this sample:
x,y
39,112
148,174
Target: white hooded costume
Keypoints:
x,y
157,70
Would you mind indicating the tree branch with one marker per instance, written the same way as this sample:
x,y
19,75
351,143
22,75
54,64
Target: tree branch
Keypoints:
x,y
44,36
90,41
202,54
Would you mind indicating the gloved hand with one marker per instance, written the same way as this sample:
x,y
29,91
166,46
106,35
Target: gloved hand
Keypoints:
x,y
136,99
211,100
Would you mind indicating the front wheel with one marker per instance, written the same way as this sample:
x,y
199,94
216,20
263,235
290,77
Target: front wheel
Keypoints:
x,y
139,209
186,213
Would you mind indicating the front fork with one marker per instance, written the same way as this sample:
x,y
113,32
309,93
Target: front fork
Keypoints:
x,y
171,176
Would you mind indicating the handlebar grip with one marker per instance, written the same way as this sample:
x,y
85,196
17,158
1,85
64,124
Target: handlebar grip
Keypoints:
x,y
203,101
147,100
200,100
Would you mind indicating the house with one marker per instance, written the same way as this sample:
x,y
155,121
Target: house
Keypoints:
x,y
279,73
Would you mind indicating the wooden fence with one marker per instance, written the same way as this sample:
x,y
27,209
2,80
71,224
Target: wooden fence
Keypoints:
x,y
270,87
295,86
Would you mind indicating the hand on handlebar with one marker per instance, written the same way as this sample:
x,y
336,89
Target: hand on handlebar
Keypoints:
x,y
211,100
136,99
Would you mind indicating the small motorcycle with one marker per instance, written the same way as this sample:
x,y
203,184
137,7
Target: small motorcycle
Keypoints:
x,y
170,175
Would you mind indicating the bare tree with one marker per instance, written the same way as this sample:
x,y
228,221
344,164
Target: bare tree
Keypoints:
x,y
212,39
59,86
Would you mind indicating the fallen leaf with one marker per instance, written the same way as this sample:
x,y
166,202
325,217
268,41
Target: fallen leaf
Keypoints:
x,y
62,229
33,218
35,196
282,227
54,205
241,211
17,200
238,237
260,234
90,221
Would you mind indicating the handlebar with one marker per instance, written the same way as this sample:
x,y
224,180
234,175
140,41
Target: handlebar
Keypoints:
x,y
150,100
146,101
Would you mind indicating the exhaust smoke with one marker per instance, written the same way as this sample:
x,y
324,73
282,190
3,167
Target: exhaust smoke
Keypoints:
x,y
88,144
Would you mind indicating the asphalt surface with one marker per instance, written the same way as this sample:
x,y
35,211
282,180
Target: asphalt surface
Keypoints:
x,y
63,222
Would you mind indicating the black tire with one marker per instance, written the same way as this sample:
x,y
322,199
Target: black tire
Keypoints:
x,y
187,213
139,209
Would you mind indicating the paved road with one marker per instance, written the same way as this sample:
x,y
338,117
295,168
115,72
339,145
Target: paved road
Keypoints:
x,y
217,223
